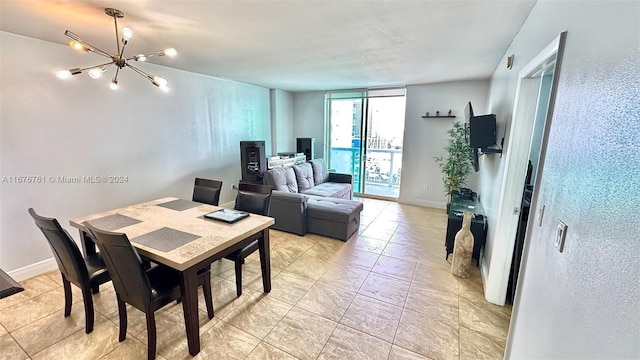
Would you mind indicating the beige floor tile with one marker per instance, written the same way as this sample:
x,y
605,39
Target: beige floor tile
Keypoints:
x,y
28,311
265,351
105,301
398,353
347,343
402,251
381,229
431,338
435,278
309,266
32,287
357,258
438,305
301,334
221,266
283,256
100,342
3,331
225,298
384,288
223,341
326,300
258,315
344,276
394,267
484,317
287,287
476,345
52,328
364,243
373,317
10,350
131,348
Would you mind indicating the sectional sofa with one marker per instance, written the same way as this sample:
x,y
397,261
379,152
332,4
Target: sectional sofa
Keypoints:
x,y
309,198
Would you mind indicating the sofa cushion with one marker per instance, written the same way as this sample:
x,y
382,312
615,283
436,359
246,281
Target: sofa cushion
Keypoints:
x,y
337,210
304,176
320,171
282,179
330,189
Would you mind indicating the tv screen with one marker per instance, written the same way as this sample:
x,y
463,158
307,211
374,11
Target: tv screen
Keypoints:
x,y
482,128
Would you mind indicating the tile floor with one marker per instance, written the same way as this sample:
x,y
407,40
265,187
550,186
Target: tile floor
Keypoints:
x,y
385,294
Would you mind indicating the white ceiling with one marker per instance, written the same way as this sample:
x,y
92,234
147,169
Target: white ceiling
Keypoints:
x,y
293,45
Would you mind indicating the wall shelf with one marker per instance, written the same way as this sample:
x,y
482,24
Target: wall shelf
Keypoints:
x,y
440,116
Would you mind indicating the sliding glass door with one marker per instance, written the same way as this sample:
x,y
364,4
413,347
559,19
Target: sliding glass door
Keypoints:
x,y
365,133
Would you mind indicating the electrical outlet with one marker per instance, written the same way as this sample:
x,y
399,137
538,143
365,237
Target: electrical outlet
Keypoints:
x,y
561,235
540,213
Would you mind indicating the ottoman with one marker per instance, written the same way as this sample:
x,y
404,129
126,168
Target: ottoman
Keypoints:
x,y
333,217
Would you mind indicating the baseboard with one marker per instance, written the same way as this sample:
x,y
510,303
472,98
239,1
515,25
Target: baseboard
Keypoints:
x,y
425,203
32,270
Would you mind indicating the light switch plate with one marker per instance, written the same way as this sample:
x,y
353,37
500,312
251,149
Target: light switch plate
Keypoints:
x,y
540,213
561,234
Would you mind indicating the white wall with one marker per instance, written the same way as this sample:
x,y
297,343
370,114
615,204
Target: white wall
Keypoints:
x,y
282,125
425,139
159,141
308,118
581,303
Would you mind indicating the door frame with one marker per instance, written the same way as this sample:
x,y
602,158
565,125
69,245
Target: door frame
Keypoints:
x,y
516,163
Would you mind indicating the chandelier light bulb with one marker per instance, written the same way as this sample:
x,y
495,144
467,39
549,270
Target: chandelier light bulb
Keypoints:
x,y
127,33
140,57
63,74
96,73
170,52
76,45
158,81
113,85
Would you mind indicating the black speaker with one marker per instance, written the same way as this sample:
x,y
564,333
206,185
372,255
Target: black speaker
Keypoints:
x,y
306,146
253,160
482,131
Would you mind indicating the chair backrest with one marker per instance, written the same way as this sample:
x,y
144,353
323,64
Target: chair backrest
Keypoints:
x,y
124,265
65,250
207,191
253,198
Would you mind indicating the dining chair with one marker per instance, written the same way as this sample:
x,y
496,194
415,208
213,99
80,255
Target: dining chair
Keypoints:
x,y
207,191
146,290
87,273
253,198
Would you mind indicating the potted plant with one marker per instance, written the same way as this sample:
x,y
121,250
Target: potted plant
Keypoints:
x,y
458,162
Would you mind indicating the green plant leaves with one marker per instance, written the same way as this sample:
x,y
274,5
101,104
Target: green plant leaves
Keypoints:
x,y
458,163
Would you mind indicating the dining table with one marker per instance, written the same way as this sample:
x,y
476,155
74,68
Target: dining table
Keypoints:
x,y
174,232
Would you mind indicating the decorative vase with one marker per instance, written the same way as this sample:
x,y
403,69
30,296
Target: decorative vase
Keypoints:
x,y
463,248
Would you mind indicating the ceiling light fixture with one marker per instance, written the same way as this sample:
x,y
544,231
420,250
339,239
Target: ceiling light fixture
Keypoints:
x,y
118,59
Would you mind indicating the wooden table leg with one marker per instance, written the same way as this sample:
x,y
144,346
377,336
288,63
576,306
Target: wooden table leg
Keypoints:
x,y
265,260
189,290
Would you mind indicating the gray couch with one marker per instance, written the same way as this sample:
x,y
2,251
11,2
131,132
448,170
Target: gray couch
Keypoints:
x,y
309,198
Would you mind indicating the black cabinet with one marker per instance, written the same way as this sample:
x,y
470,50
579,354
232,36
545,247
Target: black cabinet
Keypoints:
x,y
454,224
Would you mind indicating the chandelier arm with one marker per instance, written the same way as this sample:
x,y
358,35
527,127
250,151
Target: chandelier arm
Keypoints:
x,y
94,49
96,66
142,73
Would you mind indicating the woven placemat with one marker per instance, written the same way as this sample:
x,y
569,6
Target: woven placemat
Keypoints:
x,y
180,204
113,222
165,239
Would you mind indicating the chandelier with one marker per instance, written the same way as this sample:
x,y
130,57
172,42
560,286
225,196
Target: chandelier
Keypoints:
x,y
118,59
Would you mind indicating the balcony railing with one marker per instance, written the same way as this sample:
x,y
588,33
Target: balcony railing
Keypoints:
x,y
381,168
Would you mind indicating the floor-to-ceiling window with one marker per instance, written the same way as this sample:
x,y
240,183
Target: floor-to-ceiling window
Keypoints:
x,y
365,134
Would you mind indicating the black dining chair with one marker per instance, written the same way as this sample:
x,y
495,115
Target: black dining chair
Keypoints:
x,y
87,273
146,290
207,191
253,198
